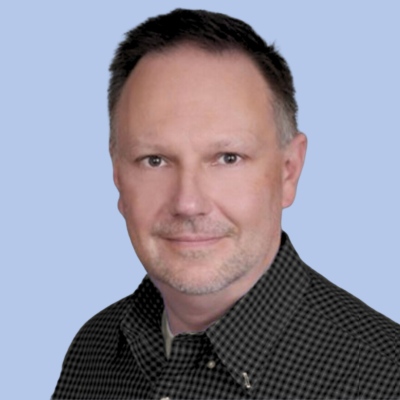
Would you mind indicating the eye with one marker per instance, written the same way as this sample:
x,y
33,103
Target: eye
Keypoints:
x,y
230,158
154,160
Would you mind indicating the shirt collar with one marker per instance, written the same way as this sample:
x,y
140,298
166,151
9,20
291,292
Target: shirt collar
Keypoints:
x,y
256,321
250,327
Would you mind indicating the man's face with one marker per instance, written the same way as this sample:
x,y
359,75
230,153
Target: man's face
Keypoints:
x,y
198,158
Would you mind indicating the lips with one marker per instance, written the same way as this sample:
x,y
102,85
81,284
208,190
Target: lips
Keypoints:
x,y
194,238
194,241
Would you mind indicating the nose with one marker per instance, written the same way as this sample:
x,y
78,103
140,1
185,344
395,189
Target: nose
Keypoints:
x,y
190,197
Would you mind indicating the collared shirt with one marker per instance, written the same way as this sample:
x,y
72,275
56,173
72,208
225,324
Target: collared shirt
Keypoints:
x,y
166,331
294,334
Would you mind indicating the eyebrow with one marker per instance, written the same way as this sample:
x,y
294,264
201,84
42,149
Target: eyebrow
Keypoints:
x,y
217,145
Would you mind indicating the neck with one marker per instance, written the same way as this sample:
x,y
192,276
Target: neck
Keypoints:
x,y
195,313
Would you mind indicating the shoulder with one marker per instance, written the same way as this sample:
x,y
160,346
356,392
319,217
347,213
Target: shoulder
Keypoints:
x,y
108,317
91,352
376,332
102,329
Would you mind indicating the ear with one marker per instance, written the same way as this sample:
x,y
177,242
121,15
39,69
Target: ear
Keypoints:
x,y
115,175
117,183
293,160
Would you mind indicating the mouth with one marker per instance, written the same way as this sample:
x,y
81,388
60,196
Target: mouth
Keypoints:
x,y
193,241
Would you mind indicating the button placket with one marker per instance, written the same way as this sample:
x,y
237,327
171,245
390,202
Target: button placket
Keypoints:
x,y
211,364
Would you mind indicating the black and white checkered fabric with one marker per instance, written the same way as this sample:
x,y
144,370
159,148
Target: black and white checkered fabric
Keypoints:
x,y
294,335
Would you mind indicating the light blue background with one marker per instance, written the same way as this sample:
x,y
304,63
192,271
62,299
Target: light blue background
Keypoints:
x,y
65,252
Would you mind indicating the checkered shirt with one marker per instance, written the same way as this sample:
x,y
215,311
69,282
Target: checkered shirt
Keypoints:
x,y
293,335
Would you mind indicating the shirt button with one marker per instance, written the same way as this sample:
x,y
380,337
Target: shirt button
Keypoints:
x,y
211,364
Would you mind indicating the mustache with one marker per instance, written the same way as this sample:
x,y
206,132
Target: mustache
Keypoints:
x,y
194,227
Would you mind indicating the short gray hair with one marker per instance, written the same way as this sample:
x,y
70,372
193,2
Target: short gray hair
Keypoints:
x,y
215,33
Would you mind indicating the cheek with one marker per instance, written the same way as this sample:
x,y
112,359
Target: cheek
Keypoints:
x,y
140,203
246,197
252,201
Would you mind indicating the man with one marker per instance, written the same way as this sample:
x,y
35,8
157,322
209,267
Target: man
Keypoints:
x,y
206,154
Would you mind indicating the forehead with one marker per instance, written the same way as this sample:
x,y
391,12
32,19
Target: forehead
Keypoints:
x,y
190,90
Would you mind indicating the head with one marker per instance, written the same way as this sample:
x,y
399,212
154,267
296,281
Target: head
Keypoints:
x,y
204,144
